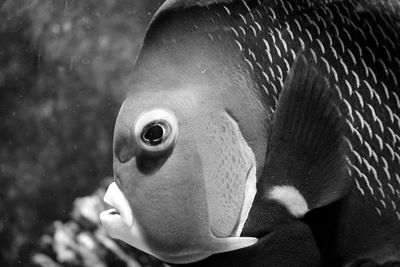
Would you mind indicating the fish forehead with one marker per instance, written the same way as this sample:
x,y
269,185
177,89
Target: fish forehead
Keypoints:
x,y
356,45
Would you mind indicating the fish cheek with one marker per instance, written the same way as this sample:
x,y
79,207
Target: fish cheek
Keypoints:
x,y
170,205
226,160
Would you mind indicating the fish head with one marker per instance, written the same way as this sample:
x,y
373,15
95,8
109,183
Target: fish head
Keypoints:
x,y
186,151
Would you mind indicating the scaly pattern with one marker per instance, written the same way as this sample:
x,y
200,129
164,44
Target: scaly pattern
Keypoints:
x,y
356,45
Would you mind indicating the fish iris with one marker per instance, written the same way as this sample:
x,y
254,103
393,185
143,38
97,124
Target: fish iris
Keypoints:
x,y
155,133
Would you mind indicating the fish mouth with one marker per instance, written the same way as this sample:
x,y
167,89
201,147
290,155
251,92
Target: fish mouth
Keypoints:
x,y
121,209
119,221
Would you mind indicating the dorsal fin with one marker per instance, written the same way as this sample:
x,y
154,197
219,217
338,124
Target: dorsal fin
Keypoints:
x,y
306,163
175,4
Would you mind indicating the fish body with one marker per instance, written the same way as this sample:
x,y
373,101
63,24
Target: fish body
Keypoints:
x,y
271,126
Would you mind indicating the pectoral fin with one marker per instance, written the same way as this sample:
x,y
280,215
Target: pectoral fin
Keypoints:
x,y
306,163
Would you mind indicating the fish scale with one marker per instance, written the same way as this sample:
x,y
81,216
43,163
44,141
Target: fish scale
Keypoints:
x,y
368,97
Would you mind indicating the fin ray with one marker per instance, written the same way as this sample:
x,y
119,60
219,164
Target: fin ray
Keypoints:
x,y
306,148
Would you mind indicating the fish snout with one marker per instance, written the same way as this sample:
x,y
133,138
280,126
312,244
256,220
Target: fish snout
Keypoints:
x,y
152,137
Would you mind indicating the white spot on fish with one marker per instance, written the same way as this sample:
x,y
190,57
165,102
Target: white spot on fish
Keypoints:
x,y
291,198
387,52
365,67
258,26
249,63
251,53
334,73
358,157
243,30
397,99
397,61
348,34
379,211
380,189
243,18
349,109
341,43
298,25
344,66
360,118
239,45
321,46
380,124
390,130
327,9
287,65
277,50
227,10
280,71
356,78
391,151
353,58
316,27
272,12
361,175
293,54
254,30
334,52
275,92
373,74
326,64
387,173
383,203
359,188
359,49
235,31
393,204
371,53
338,91
309,35
329,38
393,77
390,112
289,30
376,95
368,148
360,99
246,5
349,87
314,55
380,142
372,169
368,128
265,76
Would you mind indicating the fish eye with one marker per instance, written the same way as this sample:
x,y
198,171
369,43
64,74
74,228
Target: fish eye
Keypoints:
x,y
156,131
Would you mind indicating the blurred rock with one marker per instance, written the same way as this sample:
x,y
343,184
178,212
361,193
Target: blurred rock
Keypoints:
x,y
64,70
82,241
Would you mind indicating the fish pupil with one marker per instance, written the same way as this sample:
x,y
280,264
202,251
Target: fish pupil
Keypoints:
x,y
154,134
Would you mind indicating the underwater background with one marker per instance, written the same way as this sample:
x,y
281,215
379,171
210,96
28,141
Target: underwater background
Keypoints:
x,y
64,70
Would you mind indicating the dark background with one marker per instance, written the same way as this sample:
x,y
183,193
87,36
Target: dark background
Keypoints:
x,y
64,71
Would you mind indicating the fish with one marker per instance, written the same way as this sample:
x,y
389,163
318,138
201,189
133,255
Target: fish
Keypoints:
x,y
262,133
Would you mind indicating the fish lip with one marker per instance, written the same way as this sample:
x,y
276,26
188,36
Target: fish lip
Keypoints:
x,y
116,199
